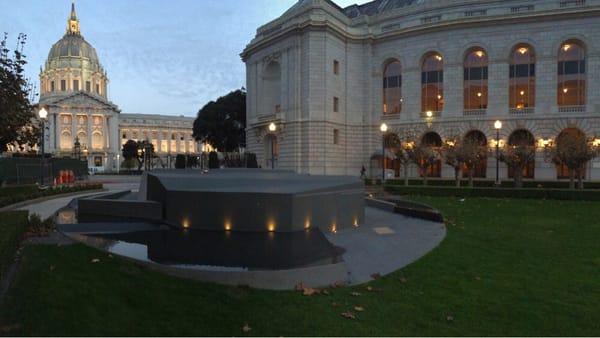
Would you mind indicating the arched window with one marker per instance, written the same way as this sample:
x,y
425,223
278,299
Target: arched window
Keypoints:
x,y
571,74
271,151
522,77
433,140
522,137
476,79
392,88
271,94
82,139
66,142
480,170
432,83
97,142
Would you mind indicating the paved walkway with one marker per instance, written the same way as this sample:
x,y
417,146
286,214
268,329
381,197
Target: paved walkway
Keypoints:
x,y
387,242
112,183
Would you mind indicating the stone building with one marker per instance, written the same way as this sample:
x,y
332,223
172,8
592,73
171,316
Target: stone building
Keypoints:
x,y
321,79
74,91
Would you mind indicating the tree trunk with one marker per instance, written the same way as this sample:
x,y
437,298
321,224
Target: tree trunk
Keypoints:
x,y
580,175
406,174
471,174
518,176
457,176
571,178
424,173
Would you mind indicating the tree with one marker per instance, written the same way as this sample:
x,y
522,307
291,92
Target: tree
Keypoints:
x,y
192,161
17,116
518,156
130,153
471,152
452,155
213,160
423,156
145,154
574,151
222,123
251,161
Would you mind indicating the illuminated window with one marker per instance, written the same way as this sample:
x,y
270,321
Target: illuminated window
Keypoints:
x,y
476,80
432,83
571,74
392,88
63,85
522,77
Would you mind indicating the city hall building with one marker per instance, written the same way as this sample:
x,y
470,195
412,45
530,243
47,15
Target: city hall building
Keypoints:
x,y
74,91
322,79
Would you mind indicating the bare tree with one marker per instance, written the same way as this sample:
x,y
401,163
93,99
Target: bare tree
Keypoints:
x,y
424,157
517,158
451,153
574,151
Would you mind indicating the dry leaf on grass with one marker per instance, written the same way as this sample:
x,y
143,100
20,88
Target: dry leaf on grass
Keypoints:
x,y
95,260
359,308
246,328
355,294
403,280
450,318
348,315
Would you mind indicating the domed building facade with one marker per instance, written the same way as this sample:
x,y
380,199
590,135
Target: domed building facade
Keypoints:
x,y
322,79
74,91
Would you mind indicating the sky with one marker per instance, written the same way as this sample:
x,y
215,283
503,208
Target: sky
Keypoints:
x,y
162,56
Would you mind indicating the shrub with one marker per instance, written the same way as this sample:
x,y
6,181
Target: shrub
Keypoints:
x,y
251,161
526,193
213,160
180,161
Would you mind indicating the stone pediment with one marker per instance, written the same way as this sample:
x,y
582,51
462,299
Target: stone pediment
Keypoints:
x,y
81,100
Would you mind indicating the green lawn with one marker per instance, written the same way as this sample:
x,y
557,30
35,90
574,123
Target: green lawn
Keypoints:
x,y
12,227
19,193
507,267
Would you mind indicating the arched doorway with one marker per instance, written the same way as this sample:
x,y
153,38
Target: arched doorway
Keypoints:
x,y
392,146
567,135
271,153
480,170
433,140
522,137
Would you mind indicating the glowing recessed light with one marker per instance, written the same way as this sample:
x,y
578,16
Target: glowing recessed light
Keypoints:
x,y
227,226
479,53
479,94
429,113
439,97
334,228
271,227
522,92
566,47
565,90
439,57
307,225
523,50
185,223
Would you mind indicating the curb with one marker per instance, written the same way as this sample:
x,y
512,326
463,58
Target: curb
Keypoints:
x,y
47,198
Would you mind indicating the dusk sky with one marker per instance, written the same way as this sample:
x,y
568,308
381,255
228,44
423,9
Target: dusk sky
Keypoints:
x,y
162,57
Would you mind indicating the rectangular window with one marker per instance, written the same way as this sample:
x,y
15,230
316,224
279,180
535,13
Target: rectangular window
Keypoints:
x,y
76,85
52,86
571,67
63,85
336,136
336,104
97,88
336,67
522,70
88,86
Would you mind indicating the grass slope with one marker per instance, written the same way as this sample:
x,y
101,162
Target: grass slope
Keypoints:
x,y
507,267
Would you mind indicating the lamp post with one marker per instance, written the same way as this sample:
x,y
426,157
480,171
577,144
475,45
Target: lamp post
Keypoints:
x,y
498,126
272,129
118,163
383,128
43,113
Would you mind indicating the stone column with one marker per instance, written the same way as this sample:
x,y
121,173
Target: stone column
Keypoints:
x,y
73,128
160,136
89,132
105,132
453,90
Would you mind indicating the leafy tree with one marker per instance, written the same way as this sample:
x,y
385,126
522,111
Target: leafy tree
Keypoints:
x,y
471,152
423,156
222,123
17,116
130,153
213,160
146,154
574,151
192,161
451,153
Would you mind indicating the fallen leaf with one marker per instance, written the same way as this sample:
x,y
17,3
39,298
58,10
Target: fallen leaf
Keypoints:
x,y
348,315
337,285
376,275
325,292
310,292
334,304
110,256
478,278
95,260
359,308
450,318
246,328
403,280
355,294
52,267
369,288
299,287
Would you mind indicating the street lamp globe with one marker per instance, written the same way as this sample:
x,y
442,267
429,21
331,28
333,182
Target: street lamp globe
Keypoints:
x,y
272,127
429,114
383,128
43,113
498,125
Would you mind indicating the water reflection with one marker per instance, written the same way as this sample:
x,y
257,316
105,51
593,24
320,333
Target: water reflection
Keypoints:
x,y
66,216
230,251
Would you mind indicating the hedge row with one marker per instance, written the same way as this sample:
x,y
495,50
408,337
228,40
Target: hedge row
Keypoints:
x,y
12,227
486,183
555,194
28,194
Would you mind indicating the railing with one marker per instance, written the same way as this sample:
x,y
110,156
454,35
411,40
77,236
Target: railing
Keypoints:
x,y
521,9
474,112
388,116
266,117
572,109
480,12
521,111
431,19
572,3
